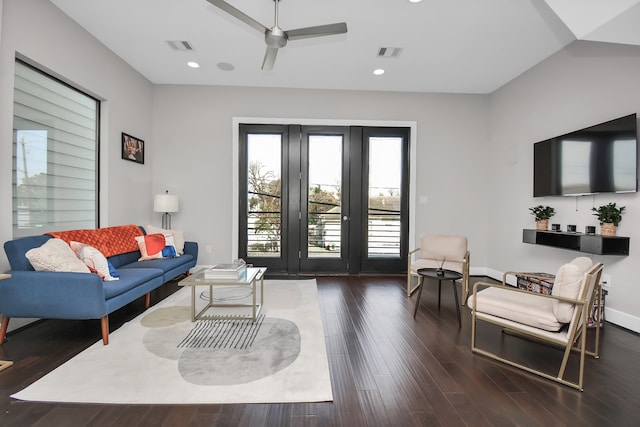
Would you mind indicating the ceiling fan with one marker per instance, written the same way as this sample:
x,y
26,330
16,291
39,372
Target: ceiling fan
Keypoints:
x,y
276,37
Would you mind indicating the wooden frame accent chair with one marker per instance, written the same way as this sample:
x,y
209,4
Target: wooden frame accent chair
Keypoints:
x,y
437,250
559,319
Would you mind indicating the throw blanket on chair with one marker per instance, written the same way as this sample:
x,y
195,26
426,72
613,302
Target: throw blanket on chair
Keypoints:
x,y
109,240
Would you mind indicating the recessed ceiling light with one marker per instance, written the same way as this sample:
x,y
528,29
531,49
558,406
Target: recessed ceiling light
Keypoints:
x,y
415,1
193,64
225,66
378,72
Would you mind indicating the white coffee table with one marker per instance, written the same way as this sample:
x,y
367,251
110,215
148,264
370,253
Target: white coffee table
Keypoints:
x,y
249,278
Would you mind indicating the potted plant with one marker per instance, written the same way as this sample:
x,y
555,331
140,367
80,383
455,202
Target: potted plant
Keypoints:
x,y
542,215
609,216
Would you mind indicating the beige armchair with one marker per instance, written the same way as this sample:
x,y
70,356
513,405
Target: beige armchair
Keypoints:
x,y
559,319
447,251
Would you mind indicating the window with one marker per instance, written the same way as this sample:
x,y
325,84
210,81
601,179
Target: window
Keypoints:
x,y
55,155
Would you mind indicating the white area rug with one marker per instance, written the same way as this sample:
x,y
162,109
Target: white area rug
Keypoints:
x,y
161,357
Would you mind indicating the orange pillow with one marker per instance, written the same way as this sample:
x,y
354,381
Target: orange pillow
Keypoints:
x,y
151,246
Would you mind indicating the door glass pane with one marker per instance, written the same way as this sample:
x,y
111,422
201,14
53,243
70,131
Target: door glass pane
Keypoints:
x,y
264,191
324,196
385,177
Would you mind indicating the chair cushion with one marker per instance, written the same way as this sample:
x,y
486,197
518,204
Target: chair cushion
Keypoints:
x,y
568,284
452,248
522,307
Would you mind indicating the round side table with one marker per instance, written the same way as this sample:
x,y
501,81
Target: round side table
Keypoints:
x,y
439,274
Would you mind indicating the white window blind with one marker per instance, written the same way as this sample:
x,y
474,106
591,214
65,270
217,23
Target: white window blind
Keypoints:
x,y
55,162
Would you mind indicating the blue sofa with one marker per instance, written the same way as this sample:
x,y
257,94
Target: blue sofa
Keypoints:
x,y
65,295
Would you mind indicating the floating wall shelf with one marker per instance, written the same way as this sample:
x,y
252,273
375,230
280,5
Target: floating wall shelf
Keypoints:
x,y
589,243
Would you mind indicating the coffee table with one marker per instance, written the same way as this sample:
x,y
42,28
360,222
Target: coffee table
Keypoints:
x,y
439,274
249,278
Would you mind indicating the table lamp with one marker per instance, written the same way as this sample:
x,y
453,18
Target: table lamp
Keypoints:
x,y
166,203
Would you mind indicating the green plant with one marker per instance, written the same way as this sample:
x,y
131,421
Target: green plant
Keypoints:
x,y
609,213
542,212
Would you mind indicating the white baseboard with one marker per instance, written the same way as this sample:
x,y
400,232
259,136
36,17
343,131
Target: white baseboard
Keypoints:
x,y
624,320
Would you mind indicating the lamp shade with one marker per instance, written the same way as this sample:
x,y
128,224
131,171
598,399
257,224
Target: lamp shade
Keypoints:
x,y
166,203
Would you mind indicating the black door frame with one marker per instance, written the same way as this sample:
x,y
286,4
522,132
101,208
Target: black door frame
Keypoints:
x,y
292,207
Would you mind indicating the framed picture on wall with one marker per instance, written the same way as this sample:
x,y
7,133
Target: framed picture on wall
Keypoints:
x,y
132,148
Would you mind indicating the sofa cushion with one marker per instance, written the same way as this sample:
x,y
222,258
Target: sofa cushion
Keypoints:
x,y
129,279
164,264
123,259
55,255
95,260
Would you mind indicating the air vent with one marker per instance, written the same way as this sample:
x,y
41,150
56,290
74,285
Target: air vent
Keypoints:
x,y
180,45
389,52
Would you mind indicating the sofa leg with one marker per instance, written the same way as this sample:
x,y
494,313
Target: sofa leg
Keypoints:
x,y
3,328
147,300
104,323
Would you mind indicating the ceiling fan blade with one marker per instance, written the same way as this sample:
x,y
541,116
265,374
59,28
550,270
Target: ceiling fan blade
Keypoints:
x,y
238,14
318,31
269,58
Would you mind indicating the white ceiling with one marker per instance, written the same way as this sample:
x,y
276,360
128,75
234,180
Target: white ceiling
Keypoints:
x,y
450,46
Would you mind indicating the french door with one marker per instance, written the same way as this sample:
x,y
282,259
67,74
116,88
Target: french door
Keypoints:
x,y
323,199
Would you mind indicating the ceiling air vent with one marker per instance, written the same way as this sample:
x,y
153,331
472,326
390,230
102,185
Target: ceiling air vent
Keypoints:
x,y
389,52
180,45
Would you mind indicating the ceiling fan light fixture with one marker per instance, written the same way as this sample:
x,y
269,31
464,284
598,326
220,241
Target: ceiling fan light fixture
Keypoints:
x,y
275,37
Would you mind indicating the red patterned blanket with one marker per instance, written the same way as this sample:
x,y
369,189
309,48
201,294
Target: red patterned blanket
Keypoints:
x,y
109,240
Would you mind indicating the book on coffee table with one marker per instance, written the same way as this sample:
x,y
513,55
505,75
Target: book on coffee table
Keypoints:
x,y
233,270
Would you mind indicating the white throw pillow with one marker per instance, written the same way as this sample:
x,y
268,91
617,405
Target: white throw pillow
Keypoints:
x,y
55,255
94,259
567,284
178,236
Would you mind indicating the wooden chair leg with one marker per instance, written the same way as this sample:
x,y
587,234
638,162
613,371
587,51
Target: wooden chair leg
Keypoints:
x,y
104,323
3,328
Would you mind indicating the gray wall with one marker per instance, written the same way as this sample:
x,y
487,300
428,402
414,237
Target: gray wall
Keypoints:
x,y
582,85
193,152
39,31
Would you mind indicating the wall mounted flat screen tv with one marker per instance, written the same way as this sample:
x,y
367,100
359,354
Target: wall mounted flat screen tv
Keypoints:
x,y
598,159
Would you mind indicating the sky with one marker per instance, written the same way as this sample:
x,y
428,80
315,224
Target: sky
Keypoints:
x,y
326,159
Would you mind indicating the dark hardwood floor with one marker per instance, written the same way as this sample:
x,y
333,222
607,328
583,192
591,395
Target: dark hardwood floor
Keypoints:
x,y
387,369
